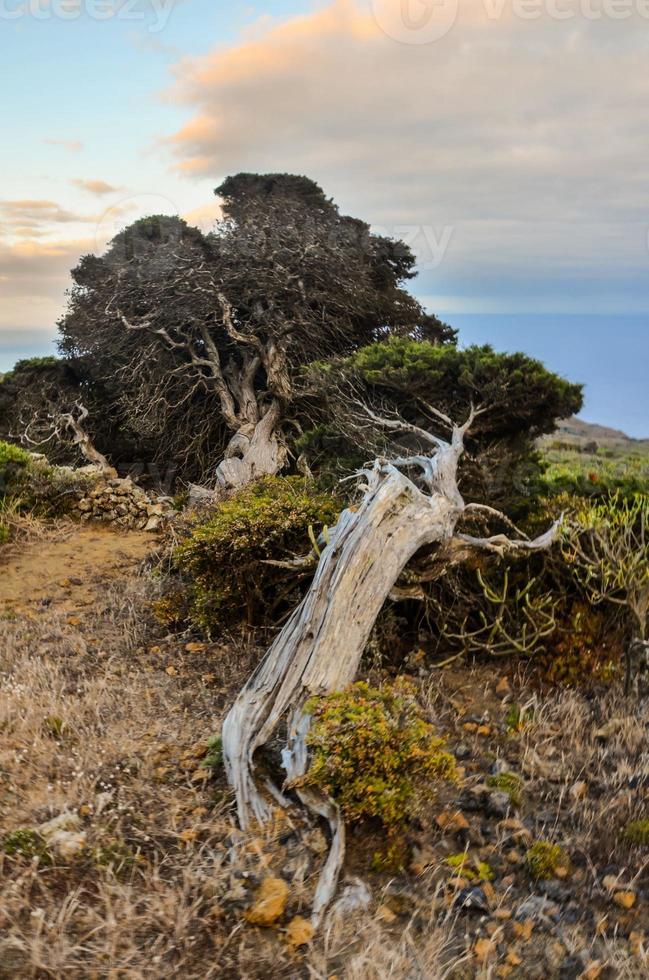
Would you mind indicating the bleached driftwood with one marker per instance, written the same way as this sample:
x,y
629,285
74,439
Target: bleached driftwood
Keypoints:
x,y
320,647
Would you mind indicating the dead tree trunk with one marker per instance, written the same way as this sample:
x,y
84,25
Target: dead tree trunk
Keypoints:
x,y
320,648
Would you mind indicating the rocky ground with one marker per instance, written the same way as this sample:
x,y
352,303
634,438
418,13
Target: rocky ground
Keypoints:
x,y
121,858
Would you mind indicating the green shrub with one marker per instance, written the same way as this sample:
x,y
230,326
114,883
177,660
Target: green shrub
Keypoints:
x,y
14,467
223,558
25,843
637,832
470,868
510,783
374,753
543,859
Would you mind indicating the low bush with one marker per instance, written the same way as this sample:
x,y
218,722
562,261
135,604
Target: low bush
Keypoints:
x,y
543,859
374,752
225,560
29,485
15,465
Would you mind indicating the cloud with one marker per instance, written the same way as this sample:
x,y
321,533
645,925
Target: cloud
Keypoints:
x,y
34,278
73,145
35,213
506,130
98,187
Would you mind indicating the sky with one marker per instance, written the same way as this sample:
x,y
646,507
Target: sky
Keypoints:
x,y
505,140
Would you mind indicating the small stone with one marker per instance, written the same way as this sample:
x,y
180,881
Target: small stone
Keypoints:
x,y
68,820
299,931
593,971
636,943
498,804
503,688
385,914
579,790
85,505
471,900
462,751
452,822
484,949
67,843
499,767
153,524
610,882
625,899
269,904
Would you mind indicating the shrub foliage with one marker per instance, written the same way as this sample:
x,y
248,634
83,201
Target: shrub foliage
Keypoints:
x,y
374,753
223,559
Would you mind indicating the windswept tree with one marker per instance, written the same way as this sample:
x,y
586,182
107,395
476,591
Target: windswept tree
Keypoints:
x,y
203,335
405,376
406,502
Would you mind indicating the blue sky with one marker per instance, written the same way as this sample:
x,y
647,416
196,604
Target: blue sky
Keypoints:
x,y
499,148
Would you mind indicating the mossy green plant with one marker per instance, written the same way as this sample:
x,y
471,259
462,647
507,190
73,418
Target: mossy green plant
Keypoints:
x,y
543,858
228,560
465,866
375,754
510,783
637,832
26,843
214,756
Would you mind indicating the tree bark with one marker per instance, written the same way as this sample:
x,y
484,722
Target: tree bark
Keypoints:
x,y
255,450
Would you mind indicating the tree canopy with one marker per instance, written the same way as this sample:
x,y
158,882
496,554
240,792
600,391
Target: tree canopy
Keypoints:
x,y
200,336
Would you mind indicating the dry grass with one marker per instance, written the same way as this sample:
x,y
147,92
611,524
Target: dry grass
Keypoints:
x,y
110,719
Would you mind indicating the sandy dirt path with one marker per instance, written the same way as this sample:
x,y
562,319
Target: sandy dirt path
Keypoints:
x,y
68,568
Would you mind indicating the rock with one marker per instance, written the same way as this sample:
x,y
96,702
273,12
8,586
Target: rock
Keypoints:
x,y
452,822
538,909
498,804
299,931
385,914
499,766
503,688
484,949
68,820
85,505
578,790
67,843
462,751
471,900
269,903
625,899
153,524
